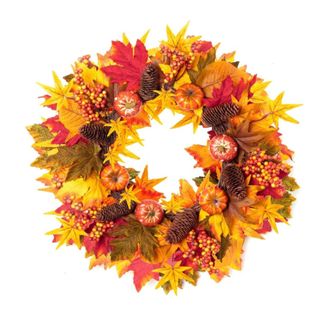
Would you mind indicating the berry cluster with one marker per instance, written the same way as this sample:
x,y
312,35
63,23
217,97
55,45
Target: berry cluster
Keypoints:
x,y
99,229
265,170
92,99
202,250
177,60
201,46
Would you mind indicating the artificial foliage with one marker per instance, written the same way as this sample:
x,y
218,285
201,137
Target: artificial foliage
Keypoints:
x,y
118,215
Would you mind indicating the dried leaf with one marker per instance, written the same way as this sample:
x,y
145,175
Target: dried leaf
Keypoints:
x,y
130,237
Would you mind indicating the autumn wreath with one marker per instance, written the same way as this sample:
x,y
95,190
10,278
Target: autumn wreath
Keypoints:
x,y
114,212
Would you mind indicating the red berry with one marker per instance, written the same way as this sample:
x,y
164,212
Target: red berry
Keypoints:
x,y
127,104
149,213
223,147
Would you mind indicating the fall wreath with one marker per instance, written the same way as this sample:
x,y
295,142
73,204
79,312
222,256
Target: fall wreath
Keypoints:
x,y
115,212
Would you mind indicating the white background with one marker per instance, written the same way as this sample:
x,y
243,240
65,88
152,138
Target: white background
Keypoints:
x,y
277,39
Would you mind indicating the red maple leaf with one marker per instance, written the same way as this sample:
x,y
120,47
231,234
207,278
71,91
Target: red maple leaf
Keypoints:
x,y
142,272
98,247
56,126
130,63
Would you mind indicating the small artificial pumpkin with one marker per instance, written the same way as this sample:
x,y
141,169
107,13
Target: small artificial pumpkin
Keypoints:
x,y
149,212
114,178
212,199
189,97
127,104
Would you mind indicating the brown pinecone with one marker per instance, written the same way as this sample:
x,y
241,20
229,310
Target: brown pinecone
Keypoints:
x,y
232,179
217,117
98,133
150,81
114,211
183,222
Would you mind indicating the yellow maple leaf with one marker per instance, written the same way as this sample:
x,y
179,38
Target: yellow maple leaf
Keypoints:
x,y
71,117
90,191
187,194
59,94
174,205
189,117
68,231
179,41
129,196
93,75
173,275
277,110
143,39
265,209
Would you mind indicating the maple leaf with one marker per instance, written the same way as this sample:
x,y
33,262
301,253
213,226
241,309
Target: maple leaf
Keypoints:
x,y
103,260
286,201
71,117
142,272
82,160
129,196
90,191
97,247
277,110
145,186
246,137
203,157
189,117
130,237
187,194
59,94
144,182
174,275
179,41
143,38
268,210
68,232
174,205
39,133
62,133
130,63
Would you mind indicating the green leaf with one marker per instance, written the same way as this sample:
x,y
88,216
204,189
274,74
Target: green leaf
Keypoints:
x,y
131,236
82,160
198,180
133,173
202,63
286,201
290,183
224,245
39,133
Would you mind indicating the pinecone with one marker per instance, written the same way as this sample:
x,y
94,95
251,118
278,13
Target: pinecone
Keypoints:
x,y
217,117
183,222
232,179
114,211
98,133
150,81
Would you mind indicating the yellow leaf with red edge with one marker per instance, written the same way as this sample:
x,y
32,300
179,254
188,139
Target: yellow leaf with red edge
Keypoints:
x,y
187,194
91,191
214,74
203,157
71,117
102,260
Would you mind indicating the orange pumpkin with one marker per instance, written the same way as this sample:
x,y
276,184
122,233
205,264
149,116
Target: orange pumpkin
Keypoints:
x,y
189,97
114,178
212,199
